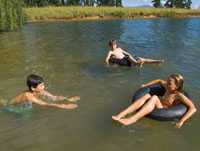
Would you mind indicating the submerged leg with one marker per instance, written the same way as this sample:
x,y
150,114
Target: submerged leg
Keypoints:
x,y
133,107
146,109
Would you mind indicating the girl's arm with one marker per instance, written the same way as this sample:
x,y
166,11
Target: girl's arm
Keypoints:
x,y
35,100
108,57
191,109
157,81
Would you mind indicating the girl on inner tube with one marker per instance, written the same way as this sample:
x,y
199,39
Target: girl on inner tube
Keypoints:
x,y
120,54
147,103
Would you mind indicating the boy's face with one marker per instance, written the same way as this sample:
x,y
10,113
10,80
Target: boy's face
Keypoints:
x,y
114,46
40,87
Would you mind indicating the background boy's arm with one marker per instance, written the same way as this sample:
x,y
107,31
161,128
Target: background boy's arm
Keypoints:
x,y
191,109
132,58
125,52
157,81
35,100
108,57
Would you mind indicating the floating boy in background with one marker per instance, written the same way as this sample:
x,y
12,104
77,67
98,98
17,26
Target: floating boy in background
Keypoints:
x,y
36,89
123,56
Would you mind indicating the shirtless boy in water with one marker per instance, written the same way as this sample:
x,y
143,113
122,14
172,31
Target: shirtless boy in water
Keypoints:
x,y
36,88
119,53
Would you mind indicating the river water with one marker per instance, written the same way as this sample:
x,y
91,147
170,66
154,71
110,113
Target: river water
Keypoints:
x,y
70,56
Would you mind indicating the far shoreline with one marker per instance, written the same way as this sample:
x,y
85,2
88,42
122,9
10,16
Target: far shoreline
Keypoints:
x,y
52,14
98,18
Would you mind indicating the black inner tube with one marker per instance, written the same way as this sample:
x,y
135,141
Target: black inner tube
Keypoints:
x,y
122,62
166,114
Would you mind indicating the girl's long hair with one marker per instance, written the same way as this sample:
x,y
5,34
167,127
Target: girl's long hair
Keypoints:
x,y
179,80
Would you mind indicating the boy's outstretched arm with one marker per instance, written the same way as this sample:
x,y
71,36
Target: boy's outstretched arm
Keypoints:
x,y
191,109
59,98
157,81
52,97
35,100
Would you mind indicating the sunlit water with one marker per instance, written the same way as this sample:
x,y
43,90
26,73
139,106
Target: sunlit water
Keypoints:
x,y
70,55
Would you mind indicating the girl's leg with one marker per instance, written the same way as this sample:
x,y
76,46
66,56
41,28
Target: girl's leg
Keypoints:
x,y
136,105
146,109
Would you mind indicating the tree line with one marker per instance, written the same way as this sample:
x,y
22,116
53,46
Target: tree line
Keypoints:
x,y
40,3
156,3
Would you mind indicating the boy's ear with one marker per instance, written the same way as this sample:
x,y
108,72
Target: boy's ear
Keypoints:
x,y
32,88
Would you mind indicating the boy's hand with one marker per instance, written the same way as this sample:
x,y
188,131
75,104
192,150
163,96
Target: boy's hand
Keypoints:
x,y
61,98
73,98
140,62
106,62
68,106
179,124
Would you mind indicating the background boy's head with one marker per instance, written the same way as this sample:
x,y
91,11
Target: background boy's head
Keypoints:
x,y
35,83
112,44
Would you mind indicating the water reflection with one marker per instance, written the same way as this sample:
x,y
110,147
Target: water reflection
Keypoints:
x,y
70,55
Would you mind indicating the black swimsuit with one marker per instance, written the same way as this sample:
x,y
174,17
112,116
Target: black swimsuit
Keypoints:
x,y
122,62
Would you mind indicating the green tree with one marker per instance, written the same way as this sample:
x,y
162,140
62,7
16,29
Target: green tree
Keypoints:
x,y
119,3
63,2
156,3
109,2
188,3
73,2
178,3
89,2
11,14
54,2
40,3
37,3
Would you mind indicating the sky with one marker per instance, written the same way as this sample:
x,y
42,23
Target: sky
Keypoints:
x,y
195,3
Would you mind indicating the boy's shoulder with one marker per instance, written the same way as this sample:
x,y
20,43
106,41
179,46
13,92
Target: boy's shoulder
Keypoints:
x,y
116,50
110,51
119,48
22,97
27,94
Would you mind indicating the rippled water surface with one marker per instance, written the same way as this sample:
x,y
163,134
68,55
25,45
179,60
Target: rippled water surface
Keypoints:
x,y
70,55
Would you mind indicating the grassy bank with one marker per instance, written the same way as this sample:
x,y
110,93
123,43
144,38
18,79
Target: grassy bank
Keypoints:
x,y
64,13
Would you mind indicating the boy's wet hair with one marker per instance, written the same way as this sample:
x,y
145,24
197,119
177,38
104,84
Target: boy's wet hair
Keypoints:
x,y
112,42
33,81
179,80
